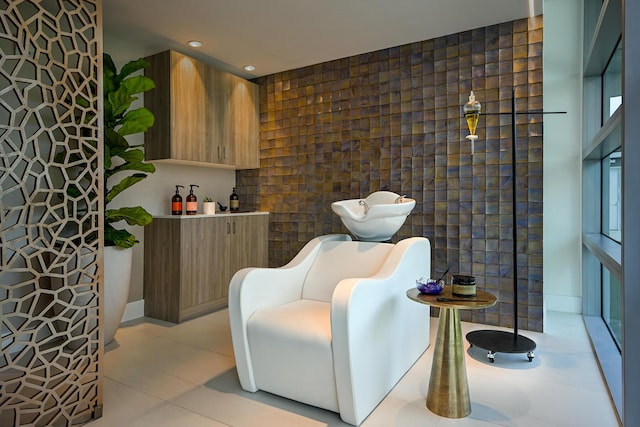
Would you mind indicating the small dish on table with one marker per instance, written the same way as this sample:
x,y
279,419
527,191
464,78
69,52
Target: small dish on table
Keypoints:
x,y
429,286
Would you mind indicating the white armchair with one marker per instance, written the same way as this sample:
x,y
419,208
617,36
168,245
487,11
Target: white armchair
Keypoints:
x,y
333,328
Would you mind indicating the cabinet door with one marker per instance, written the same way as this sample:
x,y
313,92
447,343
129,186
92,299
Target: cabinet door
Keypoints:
x,y
198,259
158,100
179,103
220,89
221,261
248,242
245,126
162,269
188,109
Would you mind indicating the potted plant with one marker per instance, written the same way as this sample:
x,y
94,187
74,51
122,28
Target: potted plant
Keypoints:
x,y
124,166
208,206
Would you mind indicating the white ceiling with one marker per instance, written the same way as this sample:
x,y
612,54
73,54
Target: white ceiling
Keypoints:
x,y
279,35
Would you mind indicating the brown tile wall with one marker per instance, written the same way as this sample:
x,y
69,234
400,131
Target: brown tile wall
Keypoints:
x,y
392,120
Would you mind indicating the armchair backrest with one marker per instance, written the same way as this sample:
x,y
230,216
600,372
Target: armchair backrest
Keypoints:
x,y
342,260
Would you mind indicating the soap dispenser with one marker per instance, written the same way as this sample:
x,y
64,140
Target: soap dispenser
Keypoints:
x,y
176,202
192,201
234,201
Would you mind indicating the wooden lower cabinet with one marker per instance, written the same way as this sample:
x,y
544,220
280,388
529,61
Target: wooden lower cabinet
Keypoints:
x,y
189,261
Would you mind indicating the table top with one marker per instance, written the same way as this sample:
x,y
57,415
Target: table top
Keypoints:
x,y
481,300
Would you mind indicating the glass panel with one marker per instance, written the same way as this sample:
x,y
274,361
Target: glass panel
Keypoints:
x,y
612,305
612,84
612,196
591,13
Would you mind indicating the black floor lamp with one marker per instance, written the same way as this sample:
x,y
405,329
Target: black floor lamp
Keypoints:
x,y
493,340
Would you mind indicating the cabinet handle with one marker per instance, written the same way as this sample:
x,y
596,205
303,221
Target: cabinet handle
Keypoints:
x,y
224,153
219,157
228,228
234,227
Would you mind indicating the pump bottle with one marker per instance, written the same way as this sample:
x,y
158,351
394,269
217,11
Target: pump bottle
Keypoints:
x,y
192,201
234,201
176,202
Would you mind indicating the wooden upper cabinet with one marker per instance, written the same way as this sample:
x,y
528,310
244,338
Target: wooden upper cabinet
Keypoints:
x,y
246,123
219,94
203,115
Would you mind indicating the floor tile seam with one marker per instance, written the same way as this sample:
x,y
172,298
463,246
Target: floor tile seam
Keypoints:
x,y
165,371
176,404
137,390
160,371
182,343
191,411
226,358
260,405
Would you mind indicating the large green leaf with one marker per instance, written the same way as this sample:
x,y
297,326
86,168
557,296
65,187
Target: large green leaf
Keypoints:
x,y
109,74
137,84
114,140
120,238
119,101
108,66
123,185
131,67
133,216
134,155
135,121
107,158
132,166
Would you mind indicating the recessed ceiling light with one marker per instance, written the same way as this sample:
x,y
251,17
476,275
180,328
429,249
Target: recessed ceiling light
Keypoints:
x,y
194,43
249,67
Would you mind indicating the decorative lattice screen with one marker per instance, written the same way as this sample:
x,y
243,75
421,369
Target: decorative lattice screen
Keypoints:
x,y
50,183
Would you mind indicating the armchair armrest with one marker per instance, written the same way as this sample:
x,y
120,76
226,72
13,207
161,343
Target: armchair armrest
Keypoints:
x,y
377,329
253,288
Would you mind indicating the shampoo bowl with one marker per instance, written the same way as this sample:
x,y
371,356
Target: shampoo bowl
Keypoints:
x,y
376,218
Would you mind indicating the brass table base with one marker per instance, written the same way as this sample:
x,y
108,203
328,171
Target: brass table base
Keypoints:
x,y
448,394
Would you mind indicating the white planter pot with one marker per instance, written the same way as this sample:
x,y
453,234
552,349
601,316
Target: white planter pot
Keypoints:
x,y
209,208
117,278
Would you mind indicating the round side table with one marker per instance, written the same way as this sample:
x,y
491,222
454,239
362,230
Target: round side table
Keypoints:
x,y
448,394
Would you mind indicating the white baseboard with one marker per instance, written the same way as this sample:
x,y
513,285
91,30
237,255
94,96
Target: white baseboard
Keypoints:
x,y
563,303
133,310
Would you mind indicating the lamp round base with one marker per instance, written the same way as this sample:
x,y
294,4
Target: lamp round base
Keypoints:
x,y
501,342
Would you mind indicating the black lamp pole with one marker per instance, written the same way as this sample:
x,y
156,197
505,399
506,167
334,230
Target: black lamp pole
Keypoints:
x,y
501,341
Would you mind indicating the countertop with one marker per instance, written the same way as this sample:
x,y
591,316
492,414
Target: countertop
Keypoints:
x,y
217,214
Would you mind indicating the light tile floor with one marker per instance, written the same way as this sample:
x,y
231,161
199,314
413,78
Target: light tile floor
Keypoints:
x,y
159,374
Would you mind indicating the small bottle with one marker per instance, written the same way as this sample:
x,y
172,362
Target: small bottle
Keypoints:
x,y
234,201
176,202
192,201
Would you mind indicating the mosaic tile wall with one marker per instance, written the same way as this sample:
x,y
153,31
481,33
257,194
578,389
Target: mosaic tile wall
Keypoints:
x,y
392,120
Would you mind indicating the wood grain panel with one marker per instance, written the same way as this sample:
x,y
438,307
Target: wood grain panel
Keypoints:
x,y
220,116
188,106
222,259
189,262
249,242
245,108
197,244
162,269
202,114
158,101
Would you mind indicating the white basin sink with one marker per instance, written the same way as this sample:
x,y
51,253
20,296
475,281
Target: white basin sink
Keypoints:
x,y
376,218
